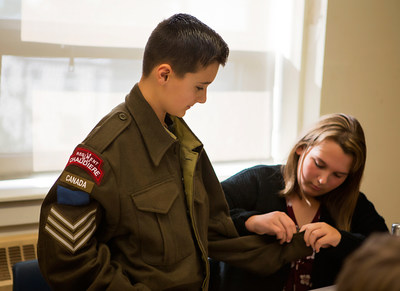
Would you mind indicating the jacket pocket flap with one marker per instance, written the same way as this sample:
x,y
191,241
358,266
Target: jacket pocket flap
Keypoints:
x,y
157,198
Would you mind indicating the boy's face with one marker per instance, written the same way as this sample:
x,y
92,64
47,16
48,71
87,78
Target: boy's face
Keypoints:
x,y
183,93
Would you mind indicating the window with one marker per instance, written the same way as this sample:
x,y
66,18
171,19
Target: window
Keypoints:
x,y
64,65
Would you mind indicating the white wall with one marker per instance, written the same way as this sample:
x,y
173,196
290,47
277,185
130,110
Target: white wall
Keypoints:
x,y
362,78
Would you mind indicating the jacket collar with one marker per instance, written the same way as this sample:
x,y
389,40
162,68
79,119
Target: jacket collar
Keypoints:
x,y
186,137
156,138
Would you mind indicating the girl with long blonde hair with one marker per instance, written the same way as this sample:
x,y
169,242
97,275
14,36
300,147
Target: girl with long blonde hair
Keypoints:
x,y
317,195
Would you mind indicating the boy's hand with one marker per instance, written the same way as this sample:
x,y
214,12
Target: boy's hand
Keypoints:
x,y
320,235
273,223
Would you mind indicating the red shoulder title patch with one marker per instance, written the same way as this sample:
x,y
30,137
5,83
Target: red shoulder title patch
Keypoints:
x,y
88,161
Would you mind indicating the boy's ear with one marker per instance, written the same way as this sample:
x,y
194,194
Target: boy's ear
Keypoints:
x,y
163,73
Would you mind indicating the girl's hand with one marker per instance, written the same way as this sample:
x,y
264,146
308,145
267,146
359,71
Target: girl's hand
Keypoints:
x,y
272,223
320,235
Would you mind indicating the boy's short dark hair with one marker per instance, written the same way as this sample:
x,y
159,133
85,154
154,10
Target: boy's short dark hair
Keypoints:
x,y
185,43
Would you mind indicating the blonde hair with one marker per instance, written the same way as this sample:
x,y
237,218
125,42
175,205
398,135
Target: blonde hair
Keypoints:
x,y
347,132
375,266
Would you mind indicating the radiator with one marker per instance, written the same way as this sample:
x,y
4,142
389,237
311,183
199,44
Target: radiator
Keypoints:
x,y
15,249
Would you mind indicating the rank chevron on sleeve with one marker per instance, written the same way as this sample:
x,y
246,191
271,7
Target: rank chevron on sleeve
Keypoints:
x,y
71,235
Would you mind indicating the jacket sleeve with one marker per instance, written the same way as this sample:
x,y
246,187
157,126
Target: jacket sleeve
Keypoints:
x,y
77,218
260,254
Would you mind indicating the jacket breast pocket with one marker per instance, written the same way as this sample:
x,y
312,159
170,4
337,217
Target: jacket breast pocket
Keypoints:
x,y
164,230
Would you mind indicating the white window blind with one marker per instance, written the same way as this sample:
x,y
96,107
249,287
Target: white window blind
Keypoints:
x,y
65,64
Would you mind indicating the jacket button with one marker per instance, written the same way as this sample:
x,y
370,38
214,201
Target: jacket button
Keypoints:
x,y
122,116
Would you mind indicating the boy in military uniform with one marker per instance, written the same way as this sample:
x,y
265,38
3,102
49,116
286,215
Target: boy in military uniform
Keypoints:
x,y
138,205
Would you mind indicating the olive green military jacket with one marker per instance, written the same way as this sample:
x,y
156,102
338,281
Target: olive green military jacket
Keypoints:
x,y
138,207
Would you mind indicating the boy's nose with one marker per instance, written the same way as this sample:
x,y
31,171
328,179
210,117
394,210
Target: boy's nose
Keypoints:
x,y
203,97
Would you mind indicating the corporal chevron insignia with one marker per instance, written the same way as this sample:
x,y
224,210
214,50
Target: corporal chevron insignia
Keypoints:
x,y
72,235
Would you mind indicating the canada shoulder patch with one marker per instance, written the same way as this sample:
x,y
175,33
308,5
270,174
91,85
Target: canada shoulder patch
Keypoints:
x,y
77,181
88,161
